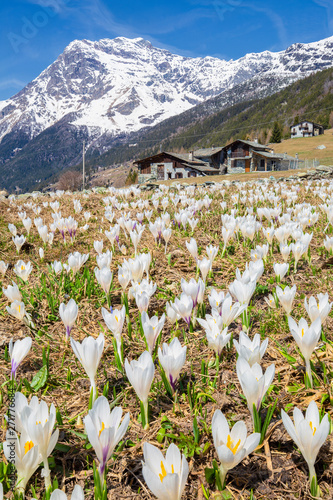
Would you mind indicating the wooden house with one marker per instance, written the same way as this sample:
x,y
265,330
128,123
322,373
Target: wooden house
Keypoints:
x,y
166,165
250,156
306,129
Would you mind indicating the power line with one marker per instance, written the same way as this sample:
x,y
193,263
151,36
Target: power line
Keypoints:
x,y
236,128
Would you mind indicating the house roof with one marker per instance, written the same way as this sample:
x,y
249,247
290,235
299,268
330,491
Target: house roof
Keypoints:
x,y
306,121
274,156
204,152
186,157
203,168
253,144
183,157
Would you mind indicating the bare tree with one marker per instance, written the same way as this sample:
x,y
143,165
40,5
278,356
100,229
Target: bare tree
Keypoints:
x,y
70,180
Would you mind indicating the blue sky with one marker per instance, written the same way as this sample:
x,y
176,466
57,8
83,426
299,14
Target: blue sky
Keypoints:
x,y
34,32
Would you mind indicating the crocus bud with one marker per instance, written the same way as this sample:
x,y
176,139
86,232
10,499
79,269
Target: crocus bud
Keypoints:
x,y
18,352
68,314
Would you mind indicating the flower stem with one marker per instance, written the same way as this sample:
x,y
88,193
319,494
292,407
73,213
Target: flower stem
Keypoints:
x,y
308,372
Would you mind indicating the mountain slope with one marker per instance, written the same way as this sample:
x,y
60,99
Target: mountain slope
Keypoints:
x,y
213,123
107,91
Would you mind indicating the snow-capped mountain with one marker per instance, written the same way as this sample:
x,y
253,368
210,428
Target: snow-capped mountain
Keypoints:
x,y
119,86
108,92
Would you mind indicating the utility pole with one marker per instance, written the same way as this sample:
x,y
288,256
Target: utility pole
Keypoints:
x,y
83,165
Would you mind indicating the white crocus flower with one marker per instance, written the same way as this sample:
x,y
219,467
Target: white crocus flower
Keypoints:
x,y
98,246
172,314
166,233
172,358
18,242
280,270
165,477
136,237
41,253
124,276
18,352
22,269
306,337
142,301
217,339
136,268
43,233
298,249
183,306
211,254
27,223
68,314
76,260
77,494
322,309
242,292
204,265
39,422
231,446
193,288
285,251
56,267
12,229
115,321
229,312
24,455
3,267
216,299
12,292
270,301
140,374
250,350
104,429
16,309
192,247
328,244
104,259
89,353
286,297
308,433
104,278
152,327
254,383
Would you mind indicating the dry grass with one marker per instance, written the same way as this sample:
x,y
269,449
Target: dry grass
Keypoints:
x,y
115,177
276,470
306,147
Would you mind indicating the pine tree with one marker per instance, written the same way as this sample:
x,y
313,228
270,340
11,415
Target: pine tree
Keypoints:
x,y
277,133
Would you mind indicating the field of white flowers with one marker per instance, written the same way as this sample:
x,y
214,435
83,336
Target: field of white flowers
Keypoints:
x,y
168,344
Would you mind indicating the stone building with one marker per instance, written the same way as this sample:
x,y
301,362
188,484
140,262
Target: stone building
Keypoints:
x,y
166,165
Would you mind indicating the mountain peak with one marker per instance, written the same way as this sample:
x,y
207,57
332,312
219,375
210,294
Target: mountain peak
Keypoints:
x,y
112,87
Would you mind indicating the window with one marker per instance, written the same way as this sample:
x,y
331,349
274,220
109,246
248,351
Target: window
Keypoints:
x,y
145,169
178,175
192,174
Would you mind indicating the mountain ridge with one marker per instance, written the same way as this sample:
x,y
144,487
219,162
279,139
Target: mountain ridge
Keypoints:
x,y
106,91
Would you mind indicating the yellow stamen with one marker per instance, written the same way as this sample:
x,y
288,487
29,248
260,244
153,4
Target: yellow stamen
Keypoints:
x,y
164,473
22,268
27,447
230,442
102,429
313,429
302,332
